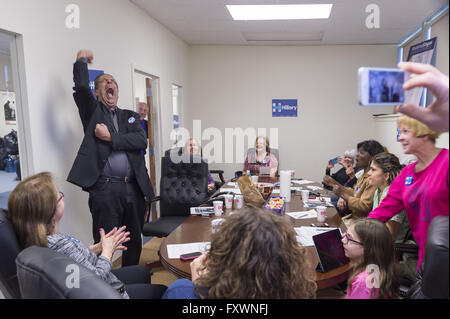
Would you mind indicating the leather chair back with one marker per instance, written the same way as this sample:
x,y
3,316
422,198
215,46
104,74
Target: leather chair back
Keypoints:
x,y
183,185
9,249
45,274
432,277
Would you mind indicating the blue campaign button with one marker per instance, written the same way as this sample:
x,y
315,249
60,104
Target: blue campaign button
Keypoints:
x,y
409,180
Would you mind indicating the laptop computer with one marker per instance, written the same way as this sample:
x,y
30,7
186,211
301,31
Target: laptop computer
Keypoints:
x,y
330,250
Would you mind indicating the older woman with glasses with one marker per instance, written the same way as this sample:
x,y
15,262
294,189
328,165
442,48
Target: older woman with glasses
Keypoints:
x,y
36,208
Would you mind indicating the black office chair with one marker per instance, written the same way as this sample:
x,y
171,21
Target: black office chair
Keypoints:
x,y
45,274
9,249
432,276
179,151
183,185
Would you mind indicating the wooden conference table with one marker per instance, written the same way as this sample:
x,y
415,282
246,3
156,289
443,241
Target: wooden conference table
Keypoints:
x,y
198,229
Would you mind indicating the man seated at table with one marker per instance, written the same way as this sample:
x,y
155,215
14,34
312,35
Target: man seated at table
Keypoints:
x,y
261,162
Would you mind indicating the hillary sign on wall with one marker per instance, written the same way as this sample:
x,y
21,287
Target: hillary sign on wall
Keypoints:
x,y
284,108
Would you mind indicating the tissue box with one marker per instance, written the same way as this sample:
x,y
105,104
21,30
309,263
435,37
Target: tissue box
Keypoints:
x,y
275,204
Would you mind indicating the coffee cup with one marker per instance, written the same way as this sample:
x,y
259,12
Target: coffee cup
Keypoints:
x,y
238,201
218,207
228,201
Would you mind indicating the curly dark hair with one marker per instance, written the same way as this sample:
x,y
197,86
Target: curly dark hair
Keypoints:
x,y
389,163
255,255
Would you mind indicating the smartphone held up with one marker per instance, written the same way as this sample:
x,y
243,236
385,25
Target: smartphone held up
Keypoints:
x,y
381,86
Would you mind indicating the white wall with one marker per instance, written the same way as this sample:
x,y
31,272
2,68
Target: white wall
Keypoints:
x,y
120,35
233,86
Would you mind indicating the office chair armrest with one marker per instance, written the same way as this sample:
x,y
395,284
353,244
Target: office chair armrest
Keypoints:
x,y
156,199
220,172
406,248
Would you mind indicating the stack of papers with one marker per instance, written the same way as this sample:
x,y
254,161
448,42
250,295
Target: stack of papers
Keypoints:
x,y
231,190
174,251
303,215
314,188
305,234
303,181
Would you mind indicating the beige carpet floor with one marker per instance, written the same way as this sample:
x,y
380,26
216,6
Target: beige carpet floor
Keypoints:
x,y
150,253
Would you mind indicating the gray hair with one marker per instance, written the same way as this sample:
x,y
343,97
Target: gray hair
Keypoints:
x,y
350,153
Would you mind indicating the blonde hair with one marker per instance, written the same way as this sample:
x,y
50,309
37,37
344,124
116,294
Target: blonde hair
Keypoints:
x,y
31,207
418,128
187,146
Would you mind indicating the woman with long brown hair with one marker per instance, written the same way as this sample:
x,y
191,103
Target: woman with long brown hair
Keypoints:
x,y
254,255
376,275
35,208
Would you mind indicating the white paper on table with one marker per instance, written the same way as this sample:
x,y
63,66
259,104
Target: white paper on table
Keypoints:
x,y
303,181
305,234
174,251
297,189
232,184
302,215
314,188
231,190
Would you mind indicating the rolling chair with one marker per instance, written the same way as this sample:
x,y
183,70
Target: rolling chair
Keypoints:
x,y
178,151
9,248
183,185
45,274
432,276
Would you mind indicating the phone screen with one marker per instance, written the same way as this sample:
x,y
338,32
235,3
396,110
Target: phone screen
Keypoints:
x,y
334,161
386,86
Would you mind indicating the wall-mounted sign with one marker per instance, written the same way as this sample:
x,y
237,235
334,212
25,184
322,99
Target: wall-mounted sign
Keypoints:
x,y
92,76
284,108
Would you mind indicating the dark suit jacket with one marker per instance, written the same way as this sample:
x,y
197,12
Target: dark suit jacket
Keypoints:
x,y
93,153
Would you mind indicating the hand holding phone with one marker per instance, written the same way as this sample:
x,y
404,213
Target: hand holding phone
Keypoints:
x,y
381,86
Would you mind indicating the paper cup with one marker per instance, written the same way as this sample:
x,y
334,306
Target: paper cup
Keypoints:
x,y
321,213
228,201
238,201
305,195
215,223
218,207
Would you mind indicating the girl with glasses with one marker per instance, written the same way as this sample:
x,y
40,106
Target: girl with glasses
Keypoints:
x,y
368,245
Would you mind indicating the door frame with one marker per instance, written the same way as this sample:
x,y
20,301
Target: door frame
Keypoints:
x,y
17,57
156,115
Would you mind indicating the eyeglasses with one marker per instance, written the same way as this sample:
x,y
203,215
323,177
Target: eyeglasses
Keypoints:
x,y
348,238
61,196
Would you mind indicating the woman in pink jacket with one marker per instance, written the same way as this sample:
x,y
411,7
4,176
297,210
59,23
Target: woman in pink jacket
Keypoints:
x,y
422,188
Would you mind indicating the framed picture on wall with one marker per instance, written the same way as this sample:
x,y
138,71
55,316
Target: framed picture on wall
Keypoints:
x,y
8,103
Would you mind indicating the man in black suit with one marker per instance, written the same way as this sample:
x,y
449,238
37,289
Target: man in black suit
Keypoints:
x,y
109,164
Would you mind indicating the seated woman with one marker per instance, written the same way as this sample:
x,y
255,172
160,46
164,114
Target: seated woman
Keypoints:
x,y
359,199
36,208
383,170
368,245
262,162
253,255
193,148
347,175
422,187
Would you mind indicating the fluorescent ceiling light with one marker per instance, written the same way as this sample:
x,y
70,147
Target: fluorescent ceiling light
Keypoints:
x,y
280,12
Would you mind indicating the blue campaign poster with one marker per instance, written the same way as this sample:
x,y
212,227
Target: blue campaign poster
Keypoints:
x,y
284,108
92,75
176,123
